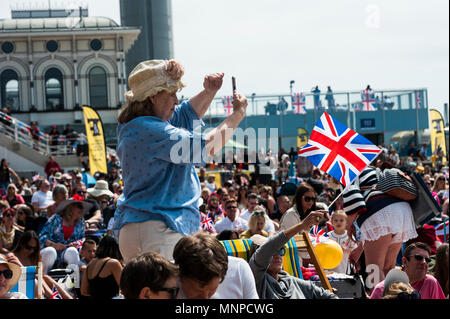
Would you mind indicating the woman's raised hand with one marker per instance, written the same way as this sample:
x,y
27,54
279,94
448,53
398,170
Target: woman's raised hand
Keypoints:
x,y
239,102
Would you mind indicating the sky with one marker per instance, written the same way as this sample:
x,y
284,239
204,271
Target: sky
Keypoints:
x,y
265,44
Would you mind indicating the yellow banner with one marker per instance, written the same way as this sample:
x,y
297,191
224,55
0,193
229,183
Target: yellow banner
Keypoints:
x,y
437,136
96,141
302,137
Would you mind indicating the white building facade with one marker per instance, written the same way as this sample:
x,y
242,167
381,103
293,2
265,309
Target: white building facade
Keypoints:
x,y
50,67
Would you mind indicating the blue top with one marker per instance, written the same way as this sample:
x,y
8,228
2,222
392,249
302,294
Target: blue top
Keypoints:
x,y
158,169
53,231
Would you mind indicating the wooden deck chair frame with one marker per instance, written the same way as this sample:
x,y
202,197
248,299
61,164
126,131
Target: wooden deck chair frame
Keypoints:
x,y
39,280
303,241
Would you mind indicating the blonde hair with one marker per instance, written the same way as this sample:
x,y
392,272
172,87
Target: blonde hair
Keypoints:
x,y
396,288
339,212
252,221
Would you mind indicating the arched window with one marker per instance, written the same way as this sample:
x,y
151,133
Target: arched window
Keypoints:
x,y
98,89
54,93
9,83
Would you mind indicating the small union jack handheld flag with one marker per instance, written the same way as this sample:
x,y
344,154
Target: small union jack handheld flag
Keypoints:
x,y
298,103
338,150
55,293
228,106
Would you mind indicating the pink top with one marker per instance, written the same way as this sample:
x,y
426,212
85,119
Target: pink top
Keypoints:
x,y
428,288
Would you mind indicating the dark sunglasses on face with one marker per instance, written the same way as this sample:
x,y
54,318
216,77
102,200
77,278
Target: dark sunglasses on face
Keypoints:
x,y
406,296
8,215
231,207
6,273
420,258
81,192
31,247
173,291
281,252
309,199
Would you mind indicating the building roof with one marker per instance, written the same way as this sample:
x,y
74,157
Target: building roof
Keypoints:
x,y
57,24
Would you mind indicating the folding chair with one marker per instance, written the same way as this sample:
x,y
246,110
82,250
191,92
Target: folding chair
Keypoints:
x,y
304,242
241,248
26,283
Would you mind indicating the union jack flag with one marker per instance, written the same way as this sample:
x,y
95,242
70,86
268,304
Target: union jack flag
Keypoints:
x,y
442,232
228,106
207,223
55,293
419,99
317,233
368,100
338,150
298,103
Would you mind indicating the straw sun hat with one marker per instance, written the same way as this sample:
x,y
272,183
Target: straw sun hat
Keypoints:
x,y
149,78
100,188
15,269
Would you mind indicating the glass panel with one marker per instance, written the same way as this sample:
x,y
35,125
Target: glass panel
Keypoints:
x,y
98,89
54,90
10,90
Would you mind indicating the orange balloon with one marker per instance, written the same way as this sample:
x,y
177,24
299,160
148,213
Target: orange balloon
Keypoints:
x,y
329,254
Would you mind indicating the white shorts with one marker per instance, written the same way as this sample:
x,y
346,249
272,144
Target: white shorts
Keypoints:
x,y
396,219
149,236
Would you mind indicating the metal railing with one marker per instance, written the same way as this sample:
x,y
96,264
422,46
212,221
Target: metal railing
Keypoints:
x,y
337,101
41,142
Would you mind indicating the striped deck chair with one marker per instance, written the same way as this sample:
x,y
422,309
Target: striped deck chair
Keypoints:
x,y
26,283
241,248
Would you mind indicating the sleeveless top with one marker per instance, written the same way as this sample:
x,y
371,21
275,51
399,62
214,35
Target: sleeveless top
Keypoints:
x,y
103,288
4,175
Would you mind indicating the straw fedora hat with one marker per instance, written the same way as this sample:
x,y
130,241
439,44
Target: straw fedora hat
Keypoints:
x,y
63,205
100,188
149,78
15,269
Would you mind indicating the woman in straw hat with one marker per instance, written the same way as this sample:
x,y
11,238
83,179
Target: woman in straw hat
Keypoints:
x,y
9,276
62,233
161,190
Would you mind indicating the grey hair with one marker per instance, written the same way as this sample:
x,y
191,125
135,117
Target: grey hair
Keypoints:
x,y
58,189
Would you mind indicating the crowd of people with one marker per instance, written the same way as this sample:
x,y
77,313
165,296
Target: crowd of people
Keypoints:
x,y
155,230
59,220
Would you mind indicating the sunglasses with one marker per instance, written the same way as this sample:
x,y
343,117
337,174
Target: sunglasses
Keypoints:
x,y
9,215
173,291
81,192
309,199
281,252
231,207
258,213
6,273
31,247
420,258
406,296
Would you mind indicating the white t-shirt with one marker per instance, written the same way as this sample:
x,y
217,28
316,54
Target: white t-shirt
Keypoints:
x,y
211,186
269,227
226,223
239,282
346,244
42,199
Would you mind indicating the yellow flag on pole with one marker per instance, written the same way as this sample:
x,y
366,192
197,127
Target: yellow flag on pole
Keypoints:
x,y
96,141
437,135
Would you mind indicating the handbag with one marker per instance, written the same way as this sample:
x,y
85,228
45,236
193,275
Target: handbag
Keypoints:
x,y
394,182
424,206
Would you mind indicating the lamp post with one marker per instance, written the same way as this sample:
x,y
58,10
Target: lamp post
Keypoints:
x,y
290,86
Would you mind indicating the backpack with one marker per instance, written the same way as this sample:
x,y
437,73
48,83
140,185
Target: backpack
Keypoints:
x,y
396,183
